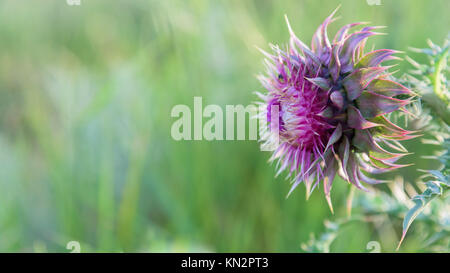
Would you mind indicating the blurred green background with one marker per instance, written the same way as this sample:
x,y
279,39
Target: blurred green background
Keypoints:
x,y
85,99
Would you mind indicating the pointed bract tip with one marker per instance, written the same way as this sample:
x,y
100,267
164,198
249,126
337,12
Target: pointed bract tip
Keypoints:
x,y
289,25
315,140
330,204
334,12
401,241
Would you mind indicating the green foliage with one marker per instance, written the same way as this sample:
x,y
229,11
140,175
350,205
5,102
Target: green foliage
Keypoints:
x,y
323,242
435,188
430,115
85,148
433,88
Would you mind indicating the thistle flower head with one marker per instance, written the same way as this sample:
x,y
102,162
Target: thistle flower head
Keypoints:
x,y
326,109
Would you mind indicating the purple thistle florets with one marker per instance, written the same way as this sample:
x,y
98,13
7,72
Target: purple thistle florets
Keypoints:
x,y
330,105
